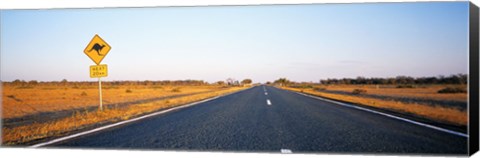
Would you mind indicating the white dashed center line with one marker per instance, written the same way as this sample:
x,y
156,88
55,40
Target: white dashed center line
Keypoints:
x,y
268,102
285,151
266,93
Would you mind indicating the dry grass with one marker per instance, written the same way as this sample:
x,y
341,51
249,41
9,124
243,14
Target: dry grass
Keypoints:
x,y
423,92
448,115
18,101
53,99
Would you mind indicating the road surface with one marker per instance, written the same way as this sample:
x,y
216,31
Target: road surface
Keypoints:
x,y
267,119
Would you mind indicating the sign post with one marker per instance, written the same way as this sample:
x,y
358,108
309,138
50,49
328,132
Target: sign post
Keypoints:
x,y
100,93
99,71
97,49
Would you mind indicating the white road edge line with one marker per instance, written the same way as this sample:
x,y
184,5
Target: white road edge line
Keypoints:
x,y
391,116
268,102
128,121
285,151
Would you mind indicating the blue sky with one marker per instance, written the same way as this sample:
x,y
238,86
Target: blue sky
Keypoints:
x,y
300,42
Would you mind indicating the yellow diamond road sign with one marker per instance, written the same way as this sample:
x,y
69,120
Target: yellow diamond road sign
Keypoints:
x,y
97,49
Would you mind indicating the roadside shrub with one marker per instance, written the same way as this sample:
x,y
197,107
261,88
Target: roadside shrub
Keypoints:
x,y
405,86
14,98
319,88
128,91
25,87
176,90
49,88
359,91
157,87
453,90
110,87
83,93
306,86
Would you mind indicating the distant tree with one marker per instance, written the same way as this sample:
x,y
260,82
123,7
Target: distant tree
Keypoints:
x,y
361,80
247,81
64,82
430,80
16,82
147,82
347,81
391,81
220,82
463,78
456,79
231,81
282,81
401,80
33,82
323,81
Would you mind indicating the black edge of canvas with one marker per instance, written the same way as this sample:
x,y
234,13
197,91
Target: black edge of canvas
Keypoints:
x,y
473,80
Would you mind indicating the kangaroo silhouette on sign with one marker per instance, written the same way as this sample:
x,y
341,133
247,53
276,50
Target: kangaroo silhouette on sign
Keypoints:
x,y
97,47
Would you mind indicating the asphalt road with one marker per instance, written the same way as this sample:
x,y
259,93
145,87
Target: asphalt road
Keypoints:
x,y
246,121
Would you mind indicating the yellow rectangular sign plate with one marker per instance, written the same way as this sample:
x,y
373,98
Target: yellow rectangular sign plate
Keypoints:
x,y
97,71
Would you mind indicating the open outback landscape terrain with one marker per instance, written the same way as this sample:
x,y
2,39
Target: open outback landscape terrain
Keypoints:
x,y
441,100
334,78
33,111
37,111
